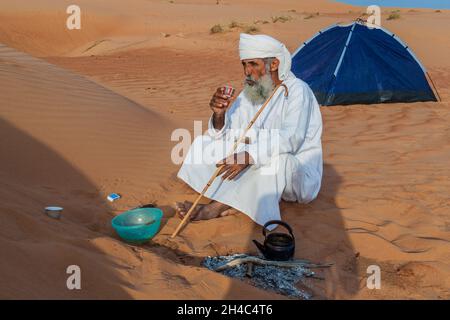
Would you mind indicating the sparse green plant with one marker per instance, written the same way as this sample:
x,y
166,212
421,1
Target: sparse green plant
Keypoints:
x,y
393,16
312,15
234,24
217,28
251,29
281,19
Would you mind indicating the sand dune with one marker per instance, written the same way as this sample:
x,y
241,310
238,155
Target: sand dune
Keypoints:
x,y
97,115
68,141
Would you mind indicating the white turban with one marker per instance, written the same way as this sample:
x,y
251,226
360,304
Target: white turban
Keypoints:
x,y
262,46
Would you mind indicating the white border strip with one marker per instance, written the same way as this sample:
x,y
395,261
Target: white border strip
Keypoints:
x,y
345,50
404,45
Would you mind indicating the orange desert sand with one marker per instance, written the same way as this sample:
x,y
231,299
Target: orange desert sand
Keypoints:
x,y
84,113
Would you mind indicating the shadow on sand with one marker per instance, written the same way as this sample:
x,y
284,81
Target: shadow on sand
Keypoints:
x,y
36,249
320,237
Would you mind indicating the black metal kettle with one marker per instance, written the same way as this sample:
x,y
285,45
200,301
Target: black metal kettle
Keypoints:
x,y
277,246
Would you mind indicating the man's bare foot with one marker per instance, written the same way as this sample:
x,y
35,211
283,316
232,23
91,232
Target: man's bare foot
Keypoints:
x,y
203,212
229,212
211,211
181,208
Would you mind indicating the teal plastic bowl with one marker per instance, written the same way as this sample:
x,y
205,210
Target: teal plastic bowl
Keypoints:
x,y
138,225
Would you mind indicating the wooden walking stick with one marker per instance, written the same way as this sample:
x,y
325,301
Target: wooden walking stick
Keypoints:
x,y
188,214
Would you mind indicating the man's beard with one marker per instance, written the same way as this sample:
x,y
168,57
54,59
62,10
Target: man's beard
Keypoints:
x,y
260,90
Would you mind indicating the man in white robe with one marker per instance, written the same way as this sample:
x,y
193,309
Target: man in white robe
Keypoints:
x,y
281,158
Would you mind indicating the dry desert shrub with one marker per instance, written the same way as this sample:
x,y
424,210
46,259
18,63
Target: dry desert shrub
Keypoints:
x,y
217,28
394,16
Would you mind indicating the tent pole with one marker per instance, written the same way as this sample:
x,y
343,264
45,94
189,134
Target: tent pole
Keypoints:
x,y
435,89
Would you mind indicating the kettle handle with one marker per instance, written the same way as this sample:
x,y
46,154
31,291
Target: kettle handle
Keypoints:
x,y
279,222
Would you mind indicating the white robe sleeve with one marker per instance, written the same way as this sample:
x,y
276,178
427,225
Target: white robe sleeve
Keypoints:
x,y
233,120
294,127
213,132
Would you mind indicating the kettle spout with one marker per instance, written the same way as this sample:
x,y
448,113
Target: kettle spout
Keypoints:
x,y
260,247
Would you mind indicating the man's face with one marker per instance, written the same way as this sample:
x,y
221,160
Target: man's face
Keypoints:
x,y
258,82
254,69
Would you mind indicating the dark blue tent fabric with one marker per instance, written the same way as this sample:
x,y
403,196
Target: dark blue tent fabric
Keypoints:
x,y
358,65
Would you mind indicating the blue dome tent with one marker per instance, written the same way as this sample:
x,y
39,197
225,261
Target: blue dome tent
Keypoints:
x,y
355,64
